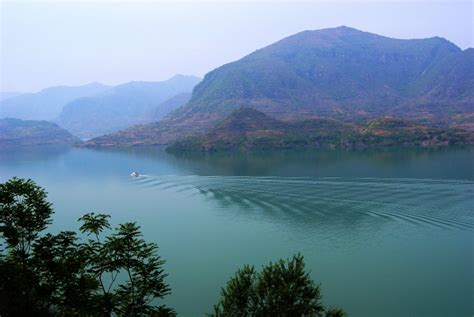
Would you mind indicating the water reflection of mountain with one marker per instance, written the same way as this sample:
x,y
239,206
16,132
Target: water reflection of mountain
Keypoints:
x,y
17,155
418,163
411,162
422,163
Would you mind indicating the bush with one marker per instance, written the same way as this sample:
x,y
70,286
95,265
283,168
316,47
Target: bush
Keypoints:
x,y
283,288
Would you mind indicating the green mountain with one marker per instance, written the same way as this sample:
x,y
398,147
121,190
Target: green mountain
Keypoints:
x,y
339,73
123,106
46,104
248,129
342,73
16,132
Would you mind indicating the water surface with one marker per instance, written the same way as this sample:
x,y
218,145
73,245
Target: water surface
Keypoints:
x,y
386,233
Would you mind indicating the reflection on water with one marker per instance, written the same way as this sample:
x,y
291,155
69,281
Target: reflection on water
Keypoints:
x,y
394,162
19,155
441,163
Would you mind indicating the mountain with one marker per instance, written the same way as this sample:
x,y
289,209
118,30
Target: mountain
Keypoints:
x,y
339,73
167,106
46,104
342,73
449,94
248,129
6,94
125,105
16,132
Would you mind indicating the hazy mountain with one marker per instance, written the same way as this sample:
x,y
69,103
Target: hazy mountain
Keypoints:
x,y
450,80
16,132
167,106
339,73
125,105
248,129
5,95
46,104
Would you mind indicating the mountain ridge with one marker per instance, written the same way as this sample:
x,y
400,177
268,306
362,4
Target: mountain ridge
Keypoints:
x,y
16,132
339,73
47,103
122,106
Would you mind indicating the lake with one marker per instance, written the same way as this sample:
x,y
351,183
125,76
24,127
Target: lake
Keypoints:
x,y
385,233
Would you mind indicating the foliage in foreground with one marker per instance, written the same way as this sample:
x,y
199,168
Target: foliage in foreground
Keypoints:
x,y
280,289
62,275
116,272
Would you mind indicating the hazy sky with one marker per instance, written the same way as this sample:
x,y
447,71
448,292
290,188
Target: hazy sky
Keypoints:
x,y
53,43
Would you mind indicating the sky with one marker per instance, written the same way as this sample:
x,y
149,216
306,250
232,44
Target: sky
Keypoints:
x,y
53,43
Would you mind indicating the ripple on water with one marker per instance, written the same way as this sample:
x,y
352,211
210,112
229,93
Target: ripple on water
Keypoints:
x,y
420,202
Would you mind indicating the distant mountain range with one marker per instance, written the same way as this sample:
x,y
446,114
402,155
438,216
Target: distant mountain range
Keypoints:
x,y
46,104
125,105
341,73
95,109
16,132
6,94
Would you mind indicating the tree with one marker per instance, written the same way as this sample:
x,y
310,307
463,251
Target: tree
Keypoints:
x,y
125,253
61,275
335,312
239,296
283,288
65,287
24,213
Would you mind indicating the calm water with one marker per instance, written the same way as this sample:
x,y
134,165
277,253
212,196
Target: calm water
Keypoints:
x,y
386,233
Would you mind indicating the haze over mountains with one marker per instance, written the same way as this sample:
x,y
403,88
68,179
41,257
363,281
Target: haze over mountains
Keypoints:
x,y
125,105
339,73
95,109
6,94
46,104
169,105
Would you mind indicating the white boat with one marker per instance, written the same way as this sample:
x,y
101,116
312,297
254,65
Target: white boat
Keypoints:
x,y
135,174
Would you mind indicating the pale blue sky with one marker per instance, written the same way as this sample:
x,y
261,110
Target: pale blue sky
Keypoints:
x,y
45,44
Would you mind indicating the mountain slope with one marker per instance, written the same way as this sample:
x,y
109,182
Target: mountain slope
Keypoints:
x,y
122,106
16,132
250,130
46,104
340,73
167,106
452,79
5,95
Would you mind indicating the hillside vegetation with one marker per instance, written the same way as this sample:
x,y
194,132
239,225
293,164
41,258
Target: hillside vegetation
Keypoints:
x,y
250,130
16,132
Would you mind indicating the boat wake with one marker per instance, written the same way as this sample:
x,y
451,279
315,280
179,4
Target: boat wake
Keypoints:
x,y
434,202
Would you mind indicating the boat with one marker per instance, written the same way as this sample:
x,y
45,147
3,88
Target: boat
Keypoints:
x,y
135,174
